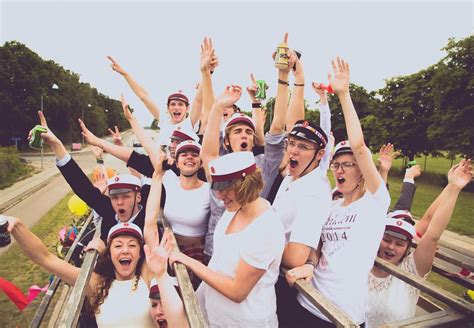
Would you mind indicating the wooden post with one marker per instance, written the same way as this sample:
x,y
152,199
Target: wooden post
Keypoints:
x,y
43,307
339,318
453,301
191,305
74,303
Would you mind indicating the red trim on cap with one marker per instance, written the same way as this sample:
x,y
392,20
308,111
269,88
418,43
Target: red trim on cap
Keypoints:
x,y
183,136
124,186
126,231
234,175
186,148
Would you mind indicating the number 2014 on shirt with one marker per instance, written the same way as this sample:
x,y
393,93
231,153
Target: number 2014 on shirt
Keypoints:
x,y
333,236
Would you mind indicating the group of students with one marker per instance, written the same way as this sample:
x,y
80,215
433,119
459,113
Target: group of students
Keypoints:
x,y
241,203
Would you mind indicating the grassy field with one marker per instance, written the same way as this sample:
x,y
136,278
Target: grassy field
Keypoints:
x,y
18,268
435,165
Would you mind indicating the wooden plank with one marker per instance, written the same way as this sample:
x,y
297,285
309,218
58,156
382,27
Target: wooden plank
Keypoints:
x,y
445,272
428,305
74,303
337,317
43,307
429,320
453,301
191,305
59,305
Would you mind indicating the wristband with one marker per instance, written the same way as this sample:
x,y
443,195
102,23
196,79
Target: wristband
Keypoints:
x,y
256,105
283,82
100,161
311,262
298,84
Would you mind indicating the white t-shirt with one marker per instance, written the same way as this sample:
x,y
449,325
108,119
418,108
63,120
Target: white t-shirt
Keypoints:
x,y
303,206
351,237
167,128
125,307
391,299
186,210
260,245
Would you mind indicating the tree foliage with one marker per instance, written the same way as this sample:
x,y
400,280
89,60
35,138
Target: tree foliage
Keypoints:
x,y
25,77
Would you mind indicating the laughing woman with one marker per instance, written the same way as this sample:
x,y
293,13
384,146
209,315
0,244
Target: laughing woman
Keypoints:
x,y
391,299
238,285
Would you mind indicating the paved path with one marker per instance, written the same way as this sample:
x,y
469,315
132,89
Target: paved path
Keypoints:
x,y
31,198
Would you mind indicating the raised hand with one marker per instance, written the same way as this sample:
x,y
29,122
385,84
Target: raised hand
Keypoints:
x,y
48,137
252,89
157,254
126,109
115,134
116,67
230,96
321,92
413,172
208,58
97,151
386,156
340,81
90,138
461,174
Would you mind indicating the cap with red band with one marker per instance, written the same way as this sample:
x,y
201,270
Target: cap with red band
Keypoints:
x,y
183,134
240,118
400,228
188,145
226,169
125,228
123,183
178,96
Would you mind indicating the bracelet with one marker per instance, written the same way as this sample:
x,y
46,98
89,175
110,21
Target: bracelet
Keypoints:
x,y
298,84
100,161
311,262
256,105
283,82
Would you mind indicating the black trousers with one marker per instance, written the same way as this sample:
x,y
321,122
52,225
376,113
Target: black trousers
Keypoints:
x,y
289,311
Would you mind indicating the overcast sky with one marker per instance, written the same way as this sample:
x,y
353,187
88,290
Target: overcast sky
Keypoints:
x,y
158,42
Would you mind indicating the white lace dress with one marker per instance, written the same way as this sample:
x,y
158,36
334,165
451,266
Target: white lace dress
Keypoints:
x,y
391,299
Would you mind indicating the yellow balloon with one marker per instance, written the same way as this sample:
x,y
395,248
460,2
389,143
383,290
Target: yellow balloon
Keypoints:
x,y
77,206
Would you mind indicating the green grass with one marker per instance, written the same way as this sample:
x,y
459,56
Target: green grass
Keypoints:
x,y
17,268
433,164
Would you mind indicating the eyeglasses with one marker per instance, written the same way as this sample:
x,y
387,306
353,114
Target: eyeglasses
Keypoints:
x,y
300,146
346,166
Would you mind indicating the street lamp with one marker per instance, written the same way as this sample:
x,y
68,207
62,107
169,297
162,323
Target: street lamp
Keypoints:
x,y
54,87
83,120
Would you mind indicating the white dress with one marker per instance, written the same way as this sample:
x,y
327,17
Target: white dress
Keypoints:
x,y
391,299
260,245
125,307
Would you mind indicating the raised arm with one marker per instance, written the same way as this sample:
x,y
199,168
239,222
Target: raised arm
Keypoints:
x,y
324,123
121,152
386,155
37,251
407,193
258,114
296,106
208,62
150,230
147,143
458,177
141,93
157,262
210,143
51,140
340,85
281,100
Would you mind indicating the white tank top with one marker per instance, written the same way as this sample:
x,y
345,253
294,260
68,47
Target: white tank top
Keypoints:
x,y
187,211
125,307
